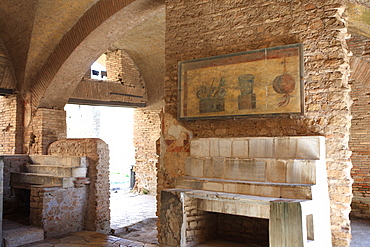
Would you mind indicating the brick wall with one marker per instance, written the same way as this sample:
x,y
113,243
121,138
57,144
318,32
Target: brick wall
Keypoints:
x,y
360,133
147,127
121,68
198,28
47,126
11,125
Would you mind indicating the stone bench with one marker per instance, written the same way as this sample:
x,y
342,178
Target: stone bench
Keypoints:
x,y
279,179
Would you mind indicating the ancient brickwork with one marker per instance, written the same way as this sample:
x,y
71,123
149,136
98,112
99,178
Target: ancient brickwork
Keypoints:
x,y
360,133
200,225
97,152
57,210
197,29
147,127
11,125
47,126
121,68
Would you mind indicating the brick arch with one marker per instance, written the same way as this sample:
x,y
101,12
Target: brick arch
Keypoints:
x,y
360,70
103,24
7,78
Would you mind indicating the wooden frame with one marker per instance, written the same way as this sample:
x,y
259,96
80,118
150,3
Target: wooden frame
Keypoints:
x,y
253,83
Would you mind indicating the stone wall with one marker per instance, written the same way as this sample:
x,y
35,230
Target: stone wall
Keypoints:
x,y
147,128
197,29
11,125
359,142
97,152
58,211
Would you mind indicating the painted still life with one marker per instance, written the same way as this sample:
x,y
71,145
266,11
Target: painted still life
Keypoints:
x,y
260,82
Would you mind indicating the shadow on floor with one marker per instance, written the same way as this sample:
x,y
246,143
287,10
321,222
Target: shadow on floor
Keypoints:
x,y
142,231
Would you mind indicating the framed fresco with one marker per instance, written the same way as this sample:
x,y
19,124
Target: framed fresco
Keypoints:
x,y
260,82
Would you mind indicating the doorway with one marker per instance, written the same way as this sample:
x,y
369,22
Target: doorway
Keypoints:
x,y
133,208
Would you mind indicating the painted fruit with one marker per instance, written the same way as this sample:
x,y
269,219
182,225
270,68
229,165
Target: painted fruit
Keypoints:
x,y
284,84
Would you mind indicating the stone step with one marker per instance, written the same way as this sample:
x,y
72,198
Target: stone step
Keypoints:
x,y
55,170
15,234
41,179
276,190
65,161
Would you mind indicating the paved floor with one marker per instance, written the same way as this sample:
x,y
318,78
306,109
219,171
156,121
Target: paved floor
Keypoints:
x,y
360,233
88,239
129,208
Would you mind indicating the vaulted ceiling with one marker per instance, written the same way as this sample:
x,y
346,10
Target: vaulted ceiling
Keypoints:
x,y
41,36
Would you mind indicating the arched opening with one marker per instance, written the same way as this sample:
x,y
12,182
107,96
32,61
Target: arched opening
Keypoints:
x,y
68,63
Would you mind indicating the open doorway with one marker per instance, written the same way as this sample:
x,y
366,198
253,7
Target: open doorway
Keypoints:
x,y
133,206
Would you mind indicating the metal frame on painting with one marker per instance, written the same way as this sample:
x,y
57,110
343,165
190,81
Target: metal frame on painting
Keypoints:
x,y
265,82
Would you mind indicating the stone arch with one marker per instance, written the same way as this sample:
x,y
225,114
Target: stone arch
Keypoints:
x,y
92,35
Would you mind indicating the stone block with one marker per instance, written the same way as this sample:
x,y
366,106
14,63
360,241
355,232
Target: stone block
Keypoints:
x,y
253,210
225,147
199,147
214,168
217,206
303,192
23,235
245,169
301,171
238,188
68,182
240,148
311,147
229,208
188,183
214,149
194,166
265,190
285,147
276,171
213,186
261,148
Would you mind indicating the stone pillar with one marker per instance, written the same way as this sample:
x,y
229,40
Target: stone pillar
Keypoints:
x,y
47,126
146,133
97,152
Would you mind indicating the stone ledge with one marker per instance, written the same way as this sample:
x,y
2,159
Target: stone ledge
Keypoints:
x,y
292,147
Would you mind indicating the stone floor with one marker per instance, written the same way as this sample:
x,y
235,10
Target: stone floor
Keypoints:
x,y
140,207
88,239
360,233
360,228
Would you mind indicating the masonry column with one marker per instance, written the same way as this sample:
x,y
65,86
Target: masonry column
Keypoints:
x,y
47,126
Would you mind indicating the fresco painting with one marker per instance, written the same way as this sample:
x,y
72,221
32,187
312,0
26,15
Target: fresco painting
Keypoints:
x,y
262,82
